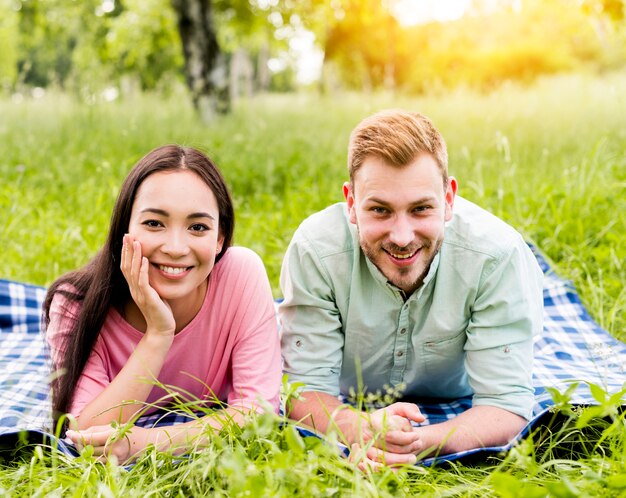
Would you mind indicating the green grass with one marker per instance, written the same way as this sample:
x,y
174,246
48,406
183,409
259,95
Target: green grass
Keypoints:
x,y
550,160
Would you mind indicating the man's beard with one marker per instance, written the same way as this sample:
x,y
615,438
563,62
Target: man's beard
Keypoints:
x,y
372,254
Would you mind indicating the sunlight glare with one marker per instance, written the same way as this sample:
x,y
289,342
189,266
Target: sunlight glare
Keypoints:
x,y
411,12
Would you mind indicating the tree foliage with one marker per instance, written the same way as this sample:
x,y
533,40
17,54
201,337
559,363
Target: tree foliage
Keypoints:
x,y
9,33
87,45
481,50
366,43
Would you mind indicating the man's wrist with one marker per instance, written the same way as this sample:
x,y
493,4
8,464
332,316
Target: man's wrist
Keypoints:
x,y
348,422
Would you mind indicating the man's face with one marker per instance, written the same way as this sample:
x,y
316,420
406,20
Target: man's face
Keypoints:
x,y
400,215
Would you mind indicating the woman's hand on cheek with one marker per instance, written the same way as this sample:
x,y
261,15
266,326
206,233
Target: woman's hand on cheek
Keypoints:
x,y
135,267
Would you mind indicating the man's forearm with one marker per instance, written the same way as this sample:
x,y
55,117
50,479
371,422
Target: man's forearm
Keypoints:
x,y
478,427
324,412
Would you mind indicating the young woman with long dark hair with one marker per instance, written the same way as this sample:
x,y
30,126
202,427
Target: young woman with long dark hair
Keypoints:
x,y
166,301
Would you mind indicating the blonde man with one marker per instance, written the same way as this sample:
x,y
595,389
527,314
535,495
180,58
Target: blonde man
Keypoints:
x,y
410,287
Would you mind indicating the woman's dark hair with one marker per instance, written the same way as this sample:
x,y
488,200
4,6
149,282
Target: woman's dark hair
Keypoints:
x,y
100,284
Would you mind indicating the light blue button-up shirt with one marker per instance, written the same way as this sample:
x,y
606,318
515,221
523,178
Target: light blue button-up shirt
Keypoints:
x,y
468,330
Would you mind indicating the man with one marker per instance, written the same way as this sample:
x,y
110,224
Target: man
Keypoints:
x,y
408,287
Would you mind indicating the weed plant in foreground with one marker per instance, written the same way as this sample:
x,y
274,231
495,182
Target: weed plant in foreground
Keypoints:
x,y
572,455
554,170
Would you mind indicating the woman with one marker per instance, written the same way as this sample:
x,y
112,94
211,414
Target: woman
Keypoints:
x,y
166,299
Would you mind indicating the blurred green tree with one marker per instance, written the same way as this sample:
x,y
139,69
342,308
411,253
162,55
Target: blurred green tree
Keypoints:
x,y
9,33
224,48
366,43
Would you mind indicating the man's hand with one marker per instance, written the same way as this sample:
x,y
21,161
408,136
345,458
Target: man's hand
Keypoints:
x,y
397,441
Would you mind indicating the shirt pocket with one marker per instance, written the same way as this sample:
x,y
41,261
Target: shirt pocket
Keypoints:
x,y
444,356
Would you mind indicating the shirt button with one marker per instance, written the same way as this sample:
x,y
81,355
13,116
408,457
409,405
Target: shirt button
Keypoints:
x,y
400,354
507,349
403,331
299,343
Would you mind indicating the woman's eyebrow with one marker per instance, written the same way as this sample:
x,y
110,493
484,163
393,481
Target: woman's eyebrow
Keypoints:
x,y
200,214
162,212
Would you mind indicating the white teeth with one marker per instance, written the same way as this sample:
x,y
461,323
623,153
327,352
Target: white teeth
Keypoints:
x,y
171,270
401,256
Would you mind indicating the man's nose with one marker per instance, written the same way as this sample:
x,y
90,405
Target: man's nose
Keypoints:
x,y
401,233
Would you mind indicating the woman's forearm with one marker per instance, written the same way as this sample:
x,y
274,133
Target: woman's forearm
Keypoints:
x,y
133,383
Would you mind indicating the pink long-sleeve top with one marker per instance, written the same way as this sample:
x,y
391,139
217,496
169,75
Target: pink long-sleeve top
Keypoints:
x,y
229,351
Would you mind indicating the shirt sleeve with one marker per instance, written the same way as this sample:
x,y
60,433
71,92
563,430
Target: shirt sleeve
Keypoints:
x,y
92,381
312,335
63,315
256,364
507,314
94,378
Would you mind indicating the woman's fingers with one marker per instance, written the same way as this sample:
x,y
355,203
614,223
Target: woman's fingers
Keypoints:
x,y
104,442
136,262
125,257
135,269
131,264
144,283
97,435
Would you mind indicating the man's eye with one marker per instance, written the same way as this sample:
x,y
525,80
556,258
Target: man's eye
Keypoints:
x,y
198,227
379,210
420,209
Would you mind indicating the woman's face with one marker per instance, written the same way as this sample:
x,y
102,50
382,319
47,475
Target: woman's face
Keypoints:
x,y
175,217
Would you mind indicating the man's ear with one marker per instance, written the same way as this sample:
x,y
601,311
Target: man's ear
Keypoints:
x,y
348,193
449,196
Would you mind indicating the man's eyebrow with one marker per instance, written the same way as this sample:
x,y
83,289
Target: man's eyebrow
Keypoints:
x,y
162,212
416,202
425,200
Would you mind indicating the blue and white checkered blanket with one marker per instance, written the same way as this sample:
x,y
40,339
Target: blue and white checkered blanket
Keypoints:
x,y
573,348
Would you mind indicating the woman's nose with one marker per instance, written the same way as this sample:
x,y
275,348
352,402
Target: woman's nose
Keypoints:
x,y
175,245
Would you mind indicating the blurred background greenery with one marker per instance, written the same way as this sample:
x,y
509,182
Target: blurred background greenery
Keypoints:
x,y
530,95
109,49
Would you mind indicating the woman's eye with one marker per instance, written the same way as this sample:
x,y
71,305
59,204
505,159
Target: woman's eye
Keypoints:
x,y
152,223
198,227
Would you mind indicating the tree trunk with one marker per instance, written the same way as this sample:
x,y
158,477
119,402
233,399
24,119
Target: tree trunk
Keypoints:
x,y
263,74
205,66
241,75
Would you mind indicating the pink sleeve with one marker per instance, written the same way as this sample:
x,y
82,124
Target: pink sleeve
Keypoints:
x,y
63,314
256,361
94,378
92,381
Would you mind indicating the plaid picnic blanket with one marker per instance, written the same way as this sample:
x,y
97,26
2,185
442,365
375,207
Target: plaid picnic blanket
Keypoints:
x,y
572,348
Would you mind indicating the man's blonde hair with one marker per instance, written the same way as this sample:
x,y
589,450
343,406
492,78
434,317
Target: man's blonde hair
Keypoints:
x,y
397,137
